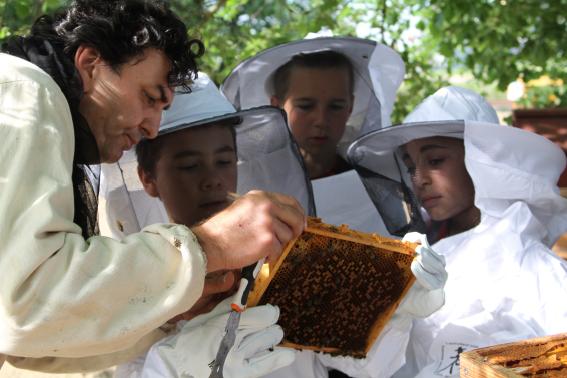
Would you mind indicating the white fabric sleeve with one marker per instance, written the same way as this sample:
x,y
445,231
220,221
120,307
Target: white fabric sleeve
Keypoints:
x,y
58,365
385,357
63,295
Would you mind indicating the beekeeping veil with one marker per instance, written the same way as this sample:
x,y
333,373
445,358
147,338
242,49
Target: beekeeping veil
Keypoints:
x,y
267,159
377,159
378,72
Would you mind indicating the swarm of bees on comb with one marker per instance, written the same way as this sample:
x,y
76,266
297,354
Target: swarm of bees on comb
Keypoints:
x,y
336,288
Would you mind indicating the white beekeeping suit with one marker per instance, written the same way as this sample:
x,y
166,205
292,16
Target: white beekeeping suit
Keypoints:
x,y
505,284
378,73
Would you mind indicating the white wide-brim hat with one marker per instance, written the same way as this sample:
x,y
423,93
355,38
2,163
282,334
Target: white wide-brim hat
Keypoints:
x,y
441,114
268,159
204,104
378,73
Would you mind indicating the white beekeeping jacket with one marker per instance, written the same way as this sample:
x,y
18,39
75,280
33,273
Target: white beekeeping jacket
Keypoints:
x,y
505,284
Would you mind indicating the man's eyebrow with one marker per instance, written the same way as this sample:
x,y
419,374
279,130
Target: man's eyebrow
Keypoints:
x,y
163,97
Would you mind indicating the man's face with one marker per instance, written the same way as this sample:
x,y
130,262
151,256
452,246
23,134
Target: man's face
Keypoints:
x,y
195,170
123,106
318,104
439,177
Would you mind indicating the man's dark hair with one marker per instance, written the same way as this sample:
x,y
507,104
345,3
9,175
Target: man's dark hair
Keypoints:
x,y
121,30
319,60
148,150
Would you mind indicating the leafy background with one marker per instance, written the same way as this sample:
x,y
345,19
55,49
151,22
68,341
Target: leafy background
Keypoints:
x,y
480,44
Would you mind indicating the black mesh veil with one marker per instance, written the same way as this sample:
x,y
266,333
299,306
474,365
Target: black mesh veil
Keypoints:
x,y
268,157
394,200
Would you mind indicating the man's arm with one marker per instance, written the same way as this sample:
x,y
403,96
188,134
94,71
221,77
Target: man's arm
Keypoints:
x,y
66,296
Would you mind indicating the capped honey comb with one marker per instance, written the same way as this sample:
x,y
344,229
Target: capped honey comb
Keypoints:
x,y
336,288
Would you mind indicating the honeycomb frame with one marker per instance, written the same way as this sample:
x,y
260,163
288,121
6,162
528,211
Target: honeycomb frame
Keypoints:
x,y
328,302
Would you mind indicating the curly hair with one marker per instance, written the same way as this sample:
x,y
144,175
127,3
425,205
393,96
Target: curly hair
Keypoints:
x,y
121,30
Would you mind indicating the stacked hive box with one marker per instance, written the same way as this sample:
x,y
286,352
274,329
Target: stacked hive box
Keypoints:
x,y
541,357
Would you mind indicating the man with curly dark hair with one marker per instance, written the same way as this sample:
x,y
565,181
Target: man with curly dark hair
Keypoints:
x,y
84,86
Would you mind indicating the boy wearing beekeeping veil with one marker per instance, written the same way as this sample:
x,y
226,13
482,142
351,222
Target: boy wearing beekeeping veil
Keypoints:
x,y
333,90
187,175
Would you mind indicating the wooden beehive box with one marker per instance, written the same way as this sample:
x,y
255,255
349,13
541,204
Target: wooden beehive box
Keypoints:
x,y
336,288
540,357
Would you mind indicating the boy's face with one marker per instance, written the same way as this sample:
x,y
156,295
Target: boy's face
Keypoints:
x,y
318,104
195,170
439,177
122,107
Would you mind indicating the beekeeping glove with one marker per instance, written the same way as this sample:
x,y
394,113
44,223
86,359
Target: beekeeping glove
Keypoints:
x,y
426,295
190,352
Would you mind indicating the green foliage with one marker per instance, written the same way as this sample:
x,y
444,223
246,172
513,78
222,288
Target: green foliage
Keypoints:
x,y
16,16
500,40
544,96
497,41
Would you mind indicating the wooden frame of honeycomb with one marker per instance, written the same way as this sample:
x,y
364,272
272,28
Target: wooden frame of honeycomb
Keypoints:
x,y
336,288
539,357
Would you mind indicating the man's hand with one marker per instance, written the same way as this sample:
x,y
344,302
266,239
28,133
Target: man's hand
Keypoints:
x,y
256,225
218,286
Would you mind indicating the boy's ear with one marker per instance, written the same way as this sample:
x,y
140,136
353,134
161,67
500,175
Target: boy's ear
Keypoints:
x,y
149,182
275,102
86,60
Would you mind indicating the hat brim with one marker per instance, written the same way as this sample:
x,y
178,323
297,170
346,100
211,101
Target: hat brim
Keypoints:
x,y
376,150
378,72
237,116
388,140
263,65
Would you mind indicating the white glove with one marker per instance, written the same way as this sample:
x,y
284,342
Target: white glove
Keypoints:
x,y
426,295
190,352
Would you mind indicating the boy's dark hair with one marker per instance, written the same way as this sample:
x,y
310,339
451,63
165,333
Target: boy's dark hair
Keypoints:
x,y
149,150
321,59
121,30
